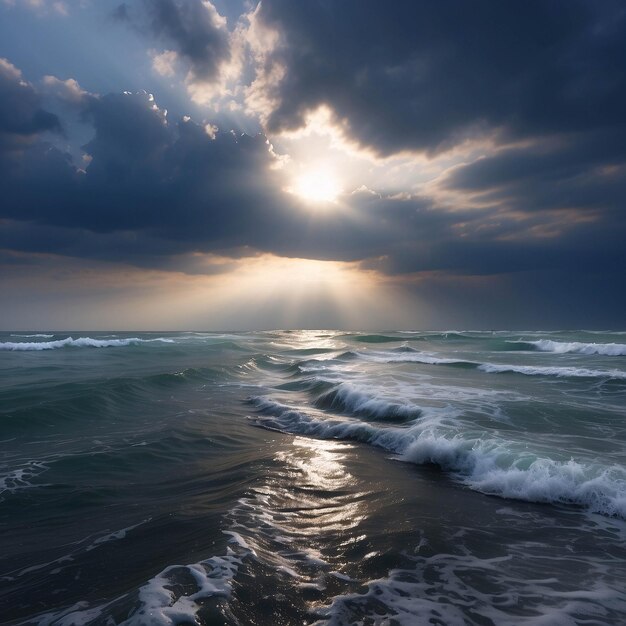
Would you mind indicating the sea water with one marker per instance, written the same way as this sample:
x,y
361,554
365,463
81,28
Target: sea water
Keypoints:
x,y
301,477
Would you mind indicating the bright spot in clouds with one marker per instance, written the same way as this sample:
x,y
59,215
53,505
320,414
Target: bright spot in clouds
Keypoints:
x,y
316,185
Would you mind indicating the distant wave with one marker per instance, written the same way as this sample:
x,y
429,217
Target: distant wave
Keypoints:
x,y
81,342
561,372
378,338
35,335
410,335
577,347
492,368
412,357
489,465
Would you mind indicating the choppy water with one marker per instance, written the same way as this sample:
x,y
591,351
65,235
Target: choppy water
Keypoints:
x,y
313,477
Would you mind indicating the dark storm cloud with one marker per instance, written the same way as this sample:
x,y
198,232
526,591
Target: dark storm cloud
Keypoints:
x,y
154,188
586,171
155,191
424,75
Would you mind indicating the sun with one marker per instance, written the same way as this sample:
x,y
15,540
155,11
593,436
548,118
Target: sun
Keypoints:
x,y
317,185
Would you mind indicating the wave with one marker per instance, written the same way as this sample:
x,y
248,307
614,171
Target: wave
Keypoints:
x,y
576,347
493,467
486,464
493,368
378,338
561,372
354,400
81,342
35,335
413,357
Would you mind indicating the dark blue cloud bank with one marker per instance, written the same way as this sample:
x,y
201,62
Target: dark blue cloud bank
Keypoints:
x,y
534,92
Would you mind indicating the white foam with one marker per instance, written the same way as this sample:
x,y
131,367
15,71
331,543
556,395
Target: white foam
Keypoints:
x,y
606,349
20,478
391,601
81,342
35,335
439,590
159,603
496,468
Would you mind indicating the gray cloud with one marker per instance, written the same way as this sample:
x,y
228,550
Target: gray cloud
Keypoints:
x,y
193,28
424,75
22,117
155,189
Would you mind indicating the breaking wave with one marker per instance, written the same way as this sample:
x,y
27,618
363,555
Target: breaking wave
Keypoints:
x,y
577,347
484,463
354,400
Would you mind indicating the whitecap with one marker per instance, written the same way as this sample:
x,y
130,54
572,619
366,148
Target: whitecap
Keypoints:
x,y
81,342
577,347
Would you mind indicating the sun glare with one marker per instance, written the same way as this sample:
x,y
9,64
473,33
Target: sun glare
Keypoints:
x,y
317,185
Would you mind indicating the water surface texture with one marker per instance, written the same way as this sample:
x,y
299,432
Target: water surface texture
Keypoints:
x,y
313,477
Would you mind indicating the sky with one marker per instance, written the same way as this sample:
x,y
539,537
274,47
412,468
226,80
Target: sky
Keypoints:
x,y
183,164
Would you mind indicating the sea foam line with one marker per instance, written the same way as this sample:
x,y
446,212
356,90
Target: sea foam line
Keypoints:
x,y
81,342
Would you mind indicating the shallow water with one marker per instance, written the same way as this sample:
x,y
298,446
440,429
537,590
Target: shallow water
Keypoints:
x,y
313,477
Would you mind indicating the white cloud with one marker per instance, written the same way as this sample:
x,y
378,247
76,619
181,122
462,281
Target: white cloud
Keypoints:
x,y
164,63
68,90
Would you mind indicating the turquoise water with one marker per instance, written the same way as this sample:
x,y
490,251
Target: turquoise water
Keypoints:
x,y
313,477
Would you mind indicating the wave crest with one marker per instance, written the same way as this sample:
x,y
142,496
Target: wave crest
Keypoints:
x,y
81,342
356,401
576,347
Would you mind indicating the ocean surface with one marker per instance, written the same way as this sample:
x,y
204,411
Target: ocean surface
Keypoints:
x,y
313,477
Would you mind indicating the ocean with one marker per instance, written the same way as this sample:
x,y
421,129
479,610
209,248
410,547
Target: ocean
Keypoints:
x,y
313,477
